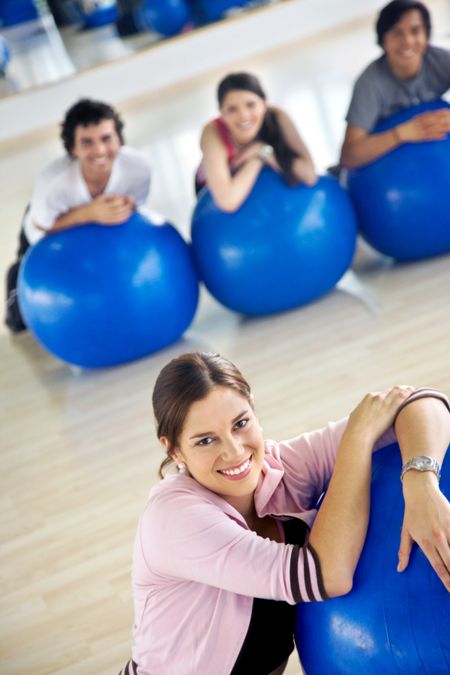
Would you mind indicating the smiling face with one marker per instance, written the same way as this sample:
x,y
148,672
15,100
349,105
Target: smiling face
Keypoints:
x,y
222,446
405,44
96,147
243,113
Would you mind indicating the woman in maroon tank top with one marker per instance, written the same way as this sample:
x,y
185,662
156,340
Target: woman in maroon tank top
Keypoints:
x,y
248,135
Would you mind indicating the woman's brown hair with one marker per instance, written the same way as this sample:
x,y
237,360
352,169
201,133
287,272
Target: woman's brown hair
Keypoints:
x,y
184,380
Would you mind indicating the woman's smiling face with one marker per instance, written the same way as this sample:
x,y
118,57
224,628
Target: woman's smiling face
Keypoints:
x,y
243,113
222,445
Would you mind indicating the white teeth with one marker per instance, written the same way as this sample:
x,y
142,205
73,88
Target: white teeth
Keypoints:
x,y
238,470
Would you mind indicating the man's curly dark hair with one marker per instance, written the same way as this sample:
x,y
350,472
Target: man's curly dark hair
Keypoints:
x,y
84,113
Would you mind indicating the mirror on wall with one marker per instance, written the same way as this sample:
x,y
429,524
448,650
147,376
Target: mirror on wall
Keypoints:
x,y
45,40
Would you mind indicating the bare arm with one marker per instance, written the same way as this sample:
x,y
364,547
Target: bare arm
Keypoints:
x,y
303,166
229,191
339,531
109,209
361,147
423,428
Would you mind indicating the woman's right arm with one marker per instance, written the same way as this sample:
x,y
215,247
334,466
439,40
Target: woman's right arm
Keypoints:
x,y
189,534
339,530
228,191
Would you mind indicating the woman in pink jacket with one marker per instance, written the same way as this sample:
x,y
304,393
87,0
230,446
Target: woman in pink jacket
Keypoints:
x,y
231,541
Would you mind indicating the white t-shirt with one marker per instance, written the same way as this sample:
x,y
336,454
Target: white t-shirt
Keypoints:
x,y
61,187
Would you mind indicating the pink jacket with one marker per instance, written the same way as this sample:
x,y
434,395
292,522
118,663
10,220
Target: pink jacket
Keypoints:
x,y
197,566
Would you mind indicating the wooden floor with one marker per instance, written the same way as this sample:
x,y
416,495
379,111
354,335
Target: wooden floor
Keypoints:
x,y
79,453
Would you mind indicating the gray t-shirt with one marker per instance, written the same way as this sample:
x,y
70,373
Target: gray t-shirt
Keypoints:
x,y
378,93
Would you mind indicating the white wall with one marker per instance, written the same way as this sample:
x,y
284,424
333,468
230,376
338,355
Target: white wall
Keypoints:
x,y
178,59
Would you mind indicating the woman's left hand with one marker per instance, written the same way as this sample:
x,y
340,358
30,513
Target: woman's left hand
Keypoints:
x,y
249,152
253,151
427,522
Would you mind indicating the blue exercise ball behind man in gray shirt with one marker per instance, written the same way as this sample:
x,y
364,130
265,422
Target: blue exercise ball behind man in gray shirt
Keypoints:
x,y
410,71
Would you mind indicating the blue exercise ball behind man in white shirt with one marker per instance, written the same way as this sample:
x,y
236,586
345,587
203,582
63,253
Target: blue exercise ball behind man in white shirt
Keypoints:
x,y
100,180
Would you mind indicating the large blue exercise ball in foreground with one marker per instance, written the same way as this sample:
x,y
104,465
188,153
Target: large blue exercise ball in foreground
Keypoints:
x,y
284,247
98,296
390,623
402,199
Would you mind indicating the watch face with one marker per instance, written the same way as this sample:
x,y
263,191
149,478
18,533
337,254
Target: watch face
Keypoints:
x,y
422,463
425,462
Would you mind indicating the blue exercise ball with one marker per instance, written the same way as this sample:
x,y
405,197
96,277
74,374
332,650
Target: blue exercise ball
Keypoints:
x,y
98,296
5,54
16,12
167,17
402,198
284,247
103,13
208,11
390,623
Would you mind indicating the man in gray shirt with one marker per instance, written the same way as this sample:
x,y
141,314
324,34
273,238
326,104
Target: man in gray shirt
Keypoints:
x,y
409,72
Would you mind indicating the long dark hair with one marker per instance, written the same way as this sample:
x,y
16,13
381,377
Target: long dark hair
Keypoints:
x,y
270,131
184,380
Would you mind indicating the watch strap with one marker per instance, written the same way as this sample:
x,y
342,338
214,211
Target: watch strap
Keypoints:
x,y
421,463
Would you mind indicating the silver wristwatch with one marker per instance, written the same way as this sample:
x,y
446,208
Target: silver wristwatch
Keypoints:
x,y
265,152
422,463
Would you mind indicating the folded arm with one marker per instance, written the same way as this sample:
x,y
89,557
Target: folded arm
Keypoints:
x,y
423,428
303,165
339,530
186,536
106,209
361,147
229,191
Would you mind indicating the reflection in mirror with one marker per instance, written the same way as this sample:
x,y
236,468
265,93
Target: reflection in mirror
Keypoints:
x,y
45,40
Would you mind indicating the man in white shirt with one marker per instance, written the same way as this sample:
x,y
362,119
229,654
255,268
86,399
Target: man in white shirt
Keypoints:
x,y
100,180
